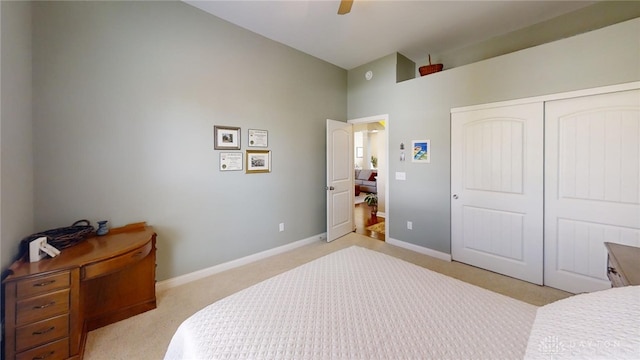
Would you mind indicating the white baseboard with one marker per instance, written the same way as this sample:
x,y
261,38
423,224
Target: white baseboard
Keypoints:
x,y
196,275
420,249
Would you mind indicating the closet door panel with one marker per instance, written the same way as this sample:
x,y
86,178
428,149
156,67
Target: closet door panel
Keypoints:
x,y
497,197
592,186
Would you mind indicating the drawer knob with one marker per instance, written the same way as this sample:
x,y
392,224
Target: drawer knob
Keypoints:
x,y
44,283
42,332
45,305
41,357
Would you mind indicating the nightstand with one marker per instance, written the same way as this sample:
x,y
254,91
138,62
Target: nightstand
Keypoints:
x,y
623,264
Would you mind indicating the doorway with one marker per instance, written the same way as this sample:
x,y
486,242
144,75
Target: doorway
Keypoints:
x,y
370,176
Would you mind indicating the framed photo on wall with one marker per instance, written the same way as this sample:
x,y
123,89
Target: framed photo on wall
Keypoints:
x,y
258,161
421,151
226,138
258,138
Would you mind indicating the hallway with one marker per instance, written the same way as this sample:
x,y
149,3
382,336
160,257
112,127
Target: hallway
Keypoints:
x,y
363,219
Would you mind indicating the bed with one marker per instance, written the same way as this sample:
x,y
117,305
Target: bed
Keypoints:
x,y
361,304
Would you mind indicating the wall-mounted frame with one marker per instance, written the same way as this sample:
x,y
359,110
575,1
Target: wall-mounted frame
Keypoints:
x,y
421,151
226,138
258,138
359,151
258,161
231,161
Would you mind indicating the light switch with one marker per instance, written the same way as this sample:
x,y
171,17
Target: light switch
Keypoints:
x,y
401,175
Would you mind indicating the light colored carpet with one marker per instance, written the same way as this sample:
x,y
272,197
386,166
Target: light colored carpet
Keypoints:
x,y
379,227
146,336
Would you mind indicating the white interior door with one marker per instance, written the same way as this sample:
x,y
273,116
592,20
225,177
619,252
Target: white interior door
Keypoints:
x,y
592,186
340,185
497,189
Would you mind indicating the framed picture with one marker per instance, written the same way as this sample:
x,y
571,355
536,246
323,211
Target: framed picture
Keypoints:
x,y
226,138
258,161
231,161
258,138
421,151
359,151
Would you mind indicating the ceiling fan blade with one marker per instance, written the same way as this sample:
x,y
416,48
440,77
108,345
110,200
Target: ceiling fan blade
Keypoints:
x,y
345,7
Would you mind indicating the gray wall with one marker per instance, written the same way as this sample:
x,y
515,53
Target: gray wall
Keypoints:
x,y
16,160
370,97
118,124
126,95
420,108
598,15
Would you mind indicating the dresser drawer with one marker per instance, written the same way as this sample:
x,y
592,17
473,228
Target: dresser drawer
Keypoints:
x,y
41,332
42,284
53,351
42,307
117,263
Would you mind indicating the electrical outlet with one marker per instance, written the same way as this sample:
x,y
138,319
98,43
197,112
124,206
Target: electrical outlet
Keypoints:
x,y
409,225
281,227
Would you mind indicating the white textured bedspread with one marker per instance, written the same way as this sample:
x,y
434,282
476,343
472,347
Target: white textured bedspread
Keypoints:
x,y
357,304
601,325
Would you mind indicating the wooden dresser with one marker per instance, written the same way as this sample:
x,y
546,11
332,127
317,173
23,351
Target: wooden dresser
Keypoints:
x,y
623,264
50,305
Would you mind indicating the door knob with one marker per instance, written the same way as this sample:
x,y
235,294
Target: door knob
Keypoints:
x,y
329,188
455,196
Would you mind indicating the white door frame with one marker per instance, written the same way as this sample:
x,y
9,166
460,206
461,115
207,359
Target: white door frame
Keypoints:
x,y
385,175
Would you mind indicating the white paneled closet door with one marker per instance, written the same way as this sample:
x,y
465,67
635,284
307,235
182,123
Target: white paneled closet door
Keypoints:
x,y
497,189
592,186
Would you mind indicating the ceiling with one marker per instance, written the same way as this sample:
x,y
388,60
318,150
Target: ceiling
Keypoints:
x,y
376,28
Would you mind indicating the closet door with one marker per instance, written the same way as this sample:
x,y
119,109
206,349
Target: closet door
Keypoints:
x,y
592,186
497,189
